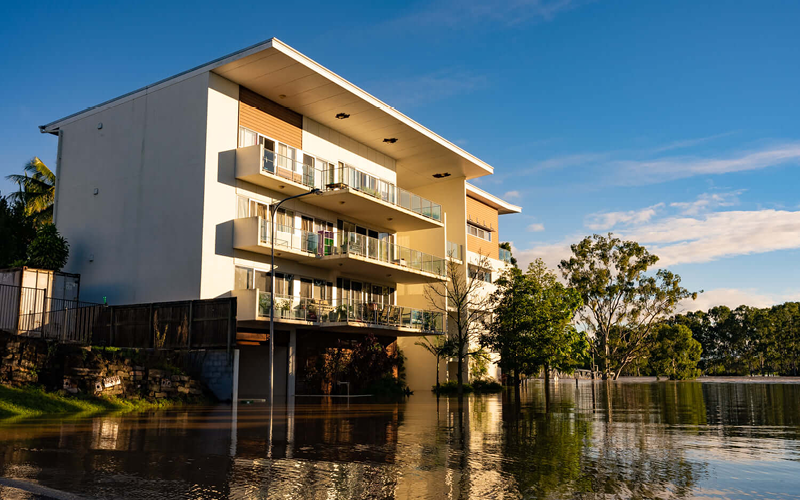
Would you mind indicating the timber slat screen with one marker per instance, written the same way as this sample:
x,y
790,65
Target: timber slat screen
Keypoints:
x,y
195,324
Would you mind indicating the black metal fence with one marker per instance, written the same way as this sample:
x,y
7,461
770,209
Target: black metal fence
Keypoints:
x,y
191,324
29,311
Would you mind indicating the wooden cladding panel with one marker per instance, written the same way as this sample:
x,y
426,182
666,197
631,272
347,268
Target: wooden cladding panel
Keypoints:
x,y
485,216
270,118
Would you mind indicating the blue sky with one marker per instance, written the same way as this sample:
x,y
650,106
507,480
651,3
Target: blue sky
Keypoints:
x,y
671,123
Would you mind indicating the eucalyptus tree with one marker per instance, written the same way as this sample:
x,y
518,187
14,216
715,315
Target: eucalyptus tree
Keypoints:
x,y
622,302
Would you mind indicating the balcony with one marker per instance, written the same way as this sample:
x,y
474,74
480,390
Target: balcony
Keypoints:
x,y
338,314
346,190
505,255
351,253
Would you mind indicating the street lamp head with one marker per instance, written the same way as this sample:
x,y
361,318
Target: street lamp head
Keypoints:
x,y
316,191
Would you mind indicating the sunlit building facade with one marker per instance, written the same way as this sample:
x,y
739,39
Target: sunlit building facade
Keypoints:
x,y
166,193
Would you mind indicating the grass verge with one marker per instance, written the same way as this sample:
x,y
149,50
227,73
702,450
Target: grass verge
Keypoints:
x,y
33,401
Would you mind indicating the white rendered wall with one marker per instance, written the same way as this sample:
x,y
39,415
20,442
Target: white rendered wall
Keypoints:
x,y
219,208
139,238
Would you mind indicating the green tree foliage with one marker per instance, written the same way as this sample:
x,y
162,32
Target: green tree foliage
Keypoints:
x,y
48,250
531,322
556,343
37,190
16,233
675,353
622,302
747,340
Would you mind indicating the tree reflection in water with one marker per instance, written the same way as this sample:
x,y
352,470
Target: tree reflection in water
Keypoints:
x,y
591,440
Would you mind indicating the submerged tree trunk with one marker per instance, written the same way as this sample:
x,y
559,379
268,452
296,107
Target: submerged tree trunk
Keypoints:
x,y
460,375
437,375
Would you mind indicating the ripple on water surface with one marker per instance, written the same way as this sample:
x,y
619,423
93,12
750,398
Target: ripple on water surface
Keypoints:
x,y
644,439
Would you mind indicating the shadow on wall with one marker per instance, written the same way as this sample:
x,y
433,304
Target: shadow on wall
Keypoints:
x,y
226,170
223,241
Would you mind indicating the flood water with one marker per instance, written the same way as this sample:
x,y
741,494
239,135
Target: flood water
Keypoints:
x,y
633,439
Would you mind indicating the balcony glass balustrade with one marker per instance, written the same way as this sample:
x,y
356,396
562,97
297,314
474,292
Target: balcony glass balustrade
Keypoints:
x,y
328,243
454,251
505,255
337,177
332,312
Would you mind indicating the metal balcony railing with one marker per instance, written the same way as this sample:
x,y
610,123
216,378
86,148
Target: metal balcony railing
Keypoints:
x,y
336,177
329,312
326,243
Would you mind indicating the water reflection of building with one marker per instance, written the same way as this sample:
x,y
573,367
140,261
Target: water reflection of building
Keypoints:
x,y
615,439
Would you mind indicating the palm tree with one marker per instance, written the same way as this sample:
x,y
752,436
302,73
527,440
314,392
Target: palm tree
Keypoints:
x,y
441,347
37,190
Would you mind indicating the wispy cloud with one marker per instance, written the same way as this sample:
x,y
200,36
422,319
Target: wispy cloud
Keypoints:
x,y
608,220
708,201
463,14
681,240
688,143
510,195
423,89
535,227
636,172
735,297
689,232
652,166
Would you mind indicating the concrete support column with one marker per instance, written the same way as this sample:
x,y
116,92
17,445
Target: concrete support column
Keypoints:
x,y
291,364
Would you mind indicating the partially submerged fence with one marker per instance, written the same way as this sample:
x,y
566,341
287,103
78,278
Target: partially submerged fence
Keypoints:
x,y
190,324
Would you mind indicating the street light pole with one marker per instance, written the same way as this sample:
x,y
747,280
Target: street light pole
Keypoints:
x,y
274,211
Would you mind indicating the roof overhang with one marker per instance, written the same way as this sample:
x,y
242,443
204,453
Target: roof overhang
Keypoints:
x,y
284,75
503,207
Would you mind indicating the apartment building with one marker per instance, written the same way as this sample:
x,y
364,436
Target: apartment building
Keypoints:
x,y
165,193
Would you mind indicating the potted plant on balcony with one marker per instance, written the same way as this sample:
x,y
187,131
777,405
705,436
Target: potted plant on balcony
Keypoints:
x,y
311,311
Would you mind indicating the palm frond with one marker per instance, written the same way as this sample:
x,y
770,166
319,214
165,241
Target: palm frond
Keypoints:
x,y
36,190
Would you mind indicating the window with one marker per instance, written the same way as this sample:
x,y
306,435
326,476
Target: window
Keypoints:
x,y
284,284
480,233
476,272
243,278
284,220
241,207
259,209
247,137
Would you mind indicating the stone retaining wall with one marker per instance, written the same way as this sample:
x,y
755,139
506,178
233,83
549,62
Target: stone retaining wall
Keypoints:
x,y
119,372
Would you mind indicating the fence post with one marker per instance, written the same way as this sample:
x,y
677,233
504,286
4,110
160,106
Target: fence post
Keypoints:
x,y
75,323
191,320
112,334
151,328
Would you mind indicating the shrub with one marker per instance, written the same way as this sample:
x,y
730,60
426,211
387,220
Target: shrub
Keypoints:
x,y
451,387
387,386
486,387
48,250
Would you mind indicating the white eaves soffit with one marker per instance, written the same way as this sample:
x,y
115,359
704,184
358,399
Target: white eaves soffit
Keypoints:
x,y
289,78
282,74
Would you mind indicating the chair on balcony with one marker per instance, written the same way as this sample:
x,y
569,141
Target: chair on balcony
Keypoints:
x,y
383,315
394,315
